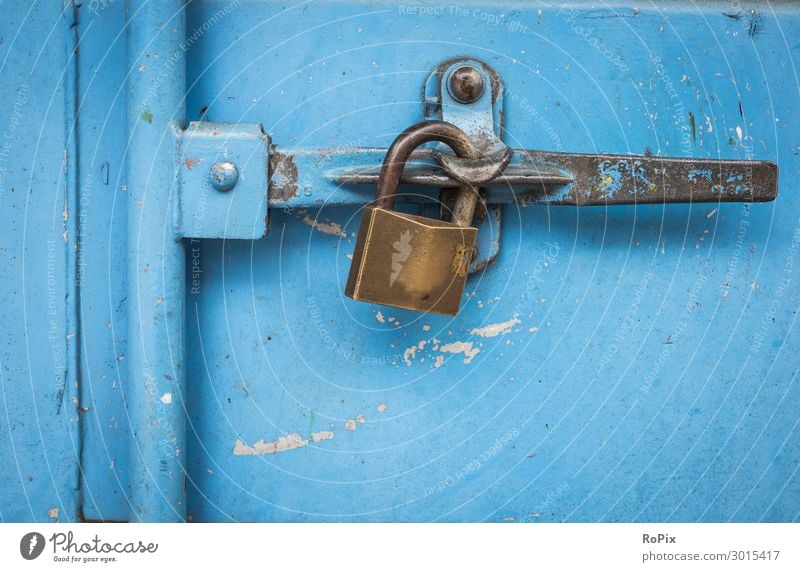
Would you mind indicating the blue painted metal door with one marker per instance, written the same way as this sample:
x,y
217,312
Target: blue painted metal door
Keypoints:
x,y
629,363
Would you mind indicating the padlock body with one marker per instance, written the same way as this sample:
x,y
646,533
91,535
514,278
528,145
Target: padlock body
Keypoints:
x,y
410,262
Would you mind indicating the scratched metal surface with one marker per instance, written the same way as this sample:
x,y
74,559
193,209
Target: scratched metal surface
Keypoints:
x,y
631,363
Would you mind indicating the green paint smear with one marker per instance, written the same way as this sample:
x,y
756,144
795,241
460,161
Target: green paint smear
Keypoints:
x,y
147,116
692,125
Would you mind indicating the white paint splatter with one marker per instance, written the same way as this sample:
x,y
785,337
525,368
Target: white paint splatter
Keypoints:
x,y
426,328
493,330
465,348
325,227
166,399
260,447
533,330
739,132
381,408
439,361
360,418
53,512
380,318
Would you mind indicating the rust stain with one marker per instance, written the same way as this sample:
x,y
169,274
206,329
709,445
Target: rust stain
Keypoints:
x,y
283,176
192,163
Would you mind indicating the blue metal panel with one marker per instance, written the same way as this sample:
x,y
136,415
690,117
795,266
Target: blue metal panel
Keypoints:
x,y
39,434
641,367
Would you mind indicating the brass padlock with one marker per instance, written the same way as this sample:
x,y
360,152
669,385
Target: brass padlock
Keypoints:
x,y
410,261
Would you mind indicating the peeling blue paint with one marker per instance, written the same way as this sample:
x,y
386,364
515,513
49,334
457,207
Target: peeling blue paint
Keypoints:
x,y
695,175
611,177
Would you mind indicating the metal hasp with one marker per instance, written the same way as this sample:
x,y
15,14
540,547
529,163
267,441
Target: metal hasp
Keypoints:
x,y
469,94
207,181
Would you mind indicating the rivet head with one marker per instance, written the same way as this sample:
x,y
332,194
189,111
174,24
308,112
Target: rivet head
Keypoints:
x,y
466,84
224,176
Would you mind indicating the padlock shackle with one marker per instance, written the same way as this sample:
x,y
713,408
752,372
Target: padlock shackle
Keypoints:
x,y
402,147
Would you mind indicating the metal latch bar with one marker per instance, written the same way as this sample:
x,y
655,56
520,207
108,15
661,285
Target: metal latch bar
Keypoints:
x,y
536,177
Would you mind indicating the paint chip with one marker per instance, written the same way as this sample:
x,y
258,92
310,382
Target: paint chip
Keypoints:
x,y
325,227
350,425
260,447
380,318
466,348
53,512
426,328
409,354
322,436
381,408
439,361
492,330
166,399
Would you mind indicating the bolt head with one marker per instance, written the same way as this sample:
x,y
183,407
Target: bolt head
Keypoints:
x,y
466,84
224,176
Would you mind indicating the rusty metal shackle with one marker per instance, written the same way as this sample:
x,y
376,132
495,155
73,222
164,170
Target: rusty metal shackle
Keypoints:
x,y
402,147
